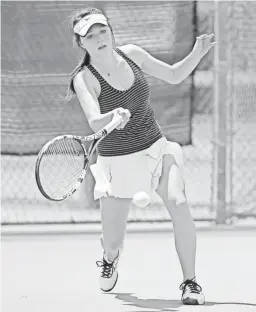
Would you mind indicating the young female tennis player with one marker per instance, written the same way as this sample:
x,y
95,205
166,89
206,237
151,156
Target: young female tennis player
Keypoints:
x,y
136,157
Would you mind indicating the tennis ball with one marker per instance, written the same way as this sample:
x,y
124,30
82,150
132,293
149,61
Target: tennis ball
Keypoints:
x,y
141,199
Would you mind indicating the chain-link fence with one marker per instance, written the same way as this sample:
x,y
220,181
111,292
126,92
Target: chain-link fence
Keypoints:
x,y
241,119
35,64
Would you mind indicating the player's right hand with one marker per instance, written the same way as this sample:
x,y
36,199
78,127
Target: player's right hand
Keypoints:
x,y
126,115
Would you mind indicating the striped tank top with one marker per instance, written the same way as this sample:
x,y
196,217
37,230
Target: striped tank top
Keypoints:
x,y
142,130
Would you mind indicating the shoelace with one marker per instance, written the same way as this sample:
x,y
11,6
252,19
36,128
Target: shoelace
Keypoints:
x,y
192,285
107,268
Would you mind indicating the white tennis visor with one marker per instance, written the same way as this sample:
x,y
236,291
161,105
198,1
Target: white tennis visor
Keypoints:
x,y
86,22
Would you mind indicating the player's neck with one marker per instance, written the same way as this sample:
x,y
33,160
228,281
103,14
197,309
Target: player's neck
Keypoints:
x,y
107,63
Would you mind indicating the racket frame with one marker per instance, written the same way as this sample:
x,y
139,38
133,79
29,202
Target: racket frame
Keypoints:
x,y
80,178
95,138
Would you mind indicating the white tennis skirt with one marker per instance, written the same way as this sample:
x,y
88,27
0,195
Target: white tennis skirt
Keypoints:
x,y
124,176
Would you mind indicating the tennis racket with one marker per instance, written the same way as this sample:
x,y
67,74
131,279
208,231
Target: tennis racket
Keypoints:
x,y
62,162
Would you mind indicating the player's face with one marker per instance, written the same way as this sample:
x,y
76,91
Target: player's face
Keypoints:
x,y
97,40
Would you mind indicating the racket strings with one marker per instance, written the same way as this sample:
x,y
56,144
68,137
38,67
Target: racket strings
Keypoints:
x,y
69,168
67,163
61,166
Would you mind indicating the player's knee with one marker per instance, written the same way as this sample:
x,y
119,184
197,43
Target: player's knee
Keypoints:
x,y
176,185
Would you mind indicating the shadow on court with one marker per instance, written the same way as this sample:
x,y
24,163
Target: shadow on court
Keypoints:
x,y
130,299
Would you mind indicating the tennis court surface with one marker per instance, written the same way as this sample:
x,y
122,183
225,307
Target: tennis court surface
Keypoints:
x,y
57,273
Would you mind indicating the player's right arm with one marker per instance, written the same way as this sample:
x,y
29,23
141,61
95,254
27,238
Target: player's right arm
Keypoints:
x,y
90,105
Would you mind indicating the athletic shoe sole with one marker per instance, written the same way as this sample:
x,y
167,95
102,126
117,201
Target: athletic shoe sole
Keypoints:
x,y
190,301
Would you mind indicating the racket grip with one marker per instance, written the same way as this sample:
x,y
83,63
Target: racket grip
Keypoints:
x,y
115,122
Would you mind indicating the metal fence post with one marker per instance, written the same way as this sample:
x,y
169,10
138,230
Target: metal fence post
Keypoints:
x,y
220,111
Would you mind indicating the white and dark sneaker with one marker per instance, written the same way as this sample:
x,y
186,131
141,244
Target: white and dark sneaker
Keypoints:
x,y
109,274
191,293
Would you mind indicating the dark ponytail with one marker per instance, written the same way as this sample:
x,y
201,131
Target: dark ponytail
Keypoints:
x,y
71,90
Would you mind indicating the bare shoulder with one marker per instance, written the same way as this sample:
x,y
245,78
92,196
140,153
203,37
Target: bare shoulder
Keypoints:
x,y
150,65
86,77
135,53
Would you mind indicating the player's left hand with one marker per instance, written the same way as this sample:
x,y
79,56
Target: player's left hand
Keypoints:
x,y
204,44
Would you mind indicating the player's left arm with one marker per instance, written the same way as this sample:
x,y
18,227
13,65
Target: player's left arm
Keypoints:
x,y
177,72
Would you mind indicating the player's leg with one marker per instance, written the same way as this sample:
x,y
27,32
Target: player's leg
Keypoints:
x,y
114,213
171,189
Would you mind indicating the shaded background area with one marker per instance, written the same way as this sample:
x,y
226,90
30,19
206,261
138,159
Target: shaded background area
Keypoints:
x,y
41,54
37,56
